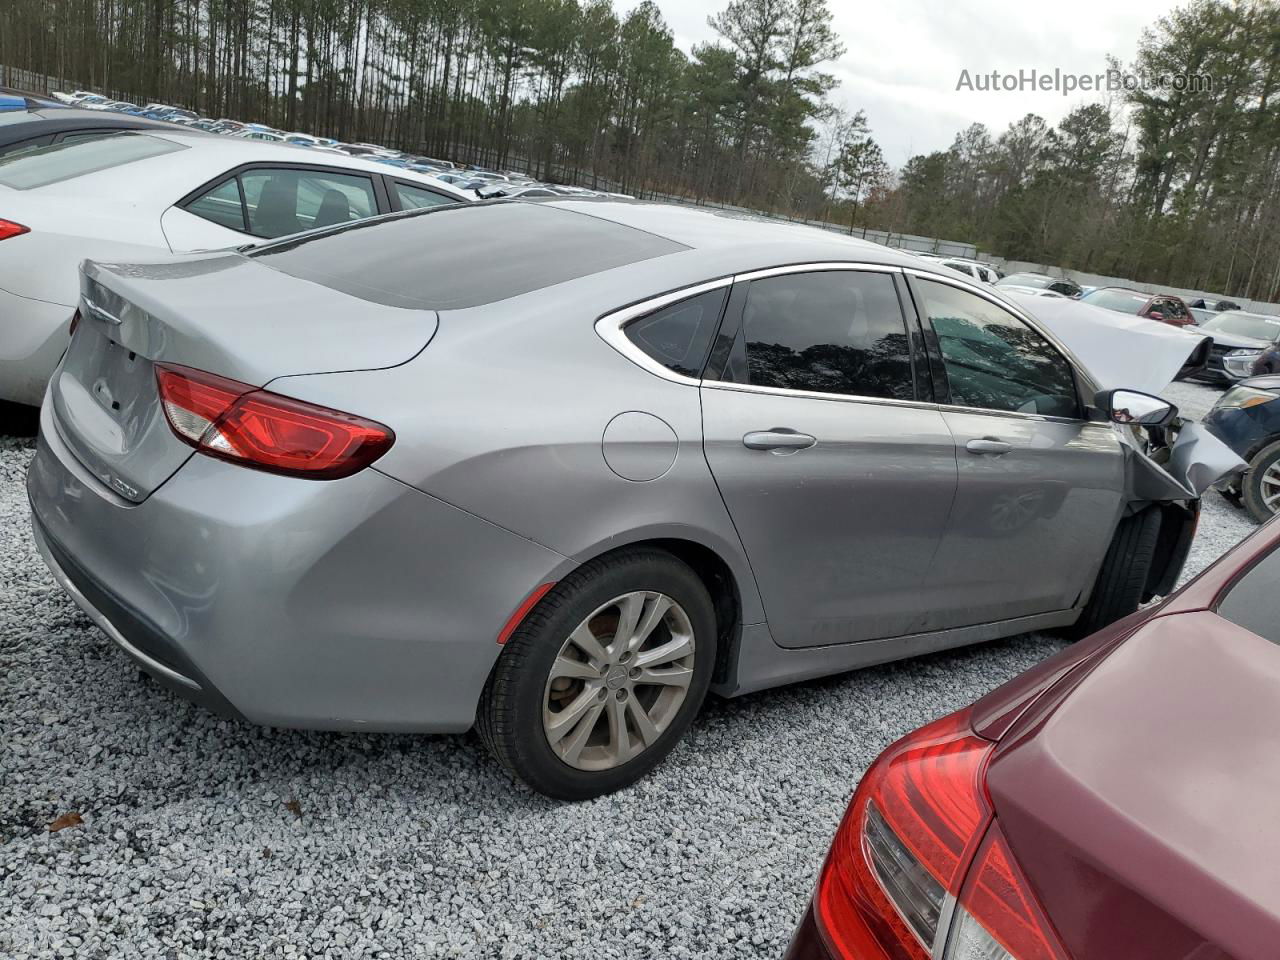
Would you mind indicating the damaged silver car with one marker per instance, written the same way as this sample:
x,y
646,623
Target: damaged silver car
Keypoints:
x,y
661,452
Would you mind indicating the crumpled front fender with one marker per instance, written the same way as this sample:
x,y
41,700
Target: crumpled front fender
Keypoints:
x,y
1197,460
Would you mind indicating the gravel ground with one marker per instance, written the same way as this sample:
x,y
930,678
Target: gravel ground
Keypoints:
x,y
203,837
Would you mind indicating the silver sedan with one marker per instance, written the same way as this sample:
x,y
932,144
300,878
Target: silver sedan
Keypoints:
x,y
557,469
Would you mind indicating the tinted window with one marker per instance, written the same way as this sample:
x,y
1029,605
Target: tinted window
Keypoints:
x,y
1026,280
478,253
1254,602
25,146
1175,309
838,331
413,198
1124,301
282,201
81,135
993,360
63,161
221,205
679,336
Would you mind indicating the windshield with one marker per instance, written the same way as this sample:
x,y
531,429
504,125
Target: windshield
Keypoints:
x,y
1246,325
63,161
1025,280
1126,301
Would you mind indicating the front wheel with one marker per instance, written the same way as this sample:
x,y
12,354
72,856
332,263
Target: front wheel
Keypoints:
x,y
603,677
1123,577
1260,487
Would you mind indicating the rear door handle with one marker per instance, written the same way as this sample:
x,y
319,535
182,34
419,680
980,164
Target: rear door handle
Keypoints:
x,y
988,445
779,438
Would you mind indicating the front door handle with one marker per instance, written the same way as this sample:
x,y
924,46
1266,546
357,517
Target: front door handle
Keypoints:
x,y
779,438
988,445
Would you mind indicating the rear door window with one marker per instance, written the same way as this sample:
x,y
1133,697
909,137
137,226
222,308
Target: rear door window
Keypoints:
x,y
413,197
993,360
834,331
221,205
281,201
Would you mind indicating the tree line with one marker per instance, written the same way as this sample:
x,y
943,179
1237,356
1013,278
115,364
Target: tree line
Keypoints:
x,y
1161,184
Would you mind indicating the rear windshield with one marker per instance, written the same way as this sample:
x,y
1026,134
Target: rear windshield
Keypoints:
x,y
1254,602
1121,300
63,161
465,255
1025,280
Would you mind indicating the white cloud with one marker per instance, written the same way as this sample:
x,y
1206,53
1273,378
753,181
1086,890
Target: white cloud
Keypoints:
x,y
904,58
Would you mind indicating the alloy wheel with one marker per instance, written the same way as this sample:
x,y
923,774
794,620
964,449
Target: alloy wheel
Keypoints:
x,y
618,681
1269,487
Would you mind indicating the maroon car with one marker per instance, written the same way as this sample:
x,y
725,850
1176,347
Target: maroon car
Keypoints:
x,y
1164,307
1120,801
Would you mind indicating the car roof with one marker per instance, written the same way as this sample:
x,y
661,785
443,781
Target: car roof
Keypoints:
x,y
61,119
739,241
205,156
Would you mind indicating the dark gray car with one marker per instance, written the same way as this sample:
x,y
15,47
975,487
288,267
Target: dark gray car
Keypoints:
x,y
367,480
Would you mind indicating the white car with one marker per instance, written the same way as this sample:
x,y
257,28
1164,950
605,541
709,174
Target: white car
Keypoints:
x,y
134,195
972,268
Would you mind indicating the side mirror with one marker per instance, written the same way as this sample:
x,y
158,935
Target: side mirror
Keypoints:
x,y
1154,315
1134,407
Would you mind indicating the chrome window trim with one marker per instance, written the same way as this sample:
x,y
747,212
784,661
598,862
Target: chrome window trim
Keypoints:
x,y
610,328
1077,367
821,266
816,395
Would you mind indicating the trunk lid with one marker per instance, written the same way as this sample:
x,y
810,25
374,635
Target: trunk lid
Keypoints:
x,y
1142,803
221,313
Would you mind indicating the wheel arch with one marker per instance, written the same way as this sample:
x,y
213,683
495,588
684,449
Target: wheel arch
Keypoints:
x,y
729,582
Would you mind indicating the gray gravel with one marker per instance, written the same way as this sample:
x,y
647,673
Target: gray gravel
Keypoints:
x,y
204,837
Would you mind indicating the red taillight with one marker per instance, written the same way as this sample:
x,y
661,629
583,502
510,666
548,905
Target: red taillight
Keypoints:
x,y
999,912
10,229
241,423
891,881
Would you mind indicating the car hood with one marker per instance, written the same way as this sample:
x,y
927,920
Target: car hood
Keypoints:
x,y
1222,338
1141,801
1117,349
1271,382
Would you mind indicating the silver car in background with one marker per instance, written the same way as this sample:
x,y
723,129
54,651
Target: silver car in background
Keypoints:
x,y
579,464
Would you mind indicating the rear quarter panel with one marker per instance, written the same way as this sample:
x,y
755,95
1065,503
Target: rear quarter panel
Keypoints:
x,y
504,415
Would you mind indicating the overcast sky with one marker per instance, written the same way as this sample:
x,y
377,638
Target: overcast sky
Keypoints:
x,y
904,58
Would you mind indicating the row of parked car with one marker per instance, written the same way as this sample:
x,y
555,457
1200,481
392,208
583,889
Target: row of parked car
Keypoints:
x,y
494,183
359,477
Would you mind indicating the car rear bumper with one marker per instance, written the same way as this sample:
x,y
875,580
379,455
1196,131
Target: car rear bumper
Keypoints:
x,y
33,335
351,604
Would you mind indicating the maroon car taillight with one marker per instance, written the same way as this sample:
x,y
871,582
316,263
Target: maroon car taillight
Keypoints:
x,y
255,428
891,886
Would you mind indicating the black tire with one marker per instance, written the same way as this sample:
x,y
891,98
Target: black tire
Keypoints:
x,y
1251,482
1123,577
509,718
